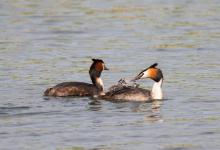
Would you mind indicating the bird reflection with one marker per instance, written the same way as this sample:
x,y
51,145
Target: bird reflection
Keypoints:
x,y
95,105
151,109
155,115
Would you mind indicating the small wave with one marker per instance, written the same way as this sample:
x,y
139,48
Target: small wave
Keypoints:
x,y
29,114
14,108
35,113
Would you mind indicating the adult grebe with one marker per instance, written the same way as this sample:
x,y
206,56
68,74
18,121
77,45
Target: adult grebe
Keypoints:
x,y
132,93
81,88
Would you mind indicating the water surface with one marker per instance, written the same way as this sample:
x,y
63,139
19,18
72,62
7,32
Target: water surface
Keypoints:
x,y
45,43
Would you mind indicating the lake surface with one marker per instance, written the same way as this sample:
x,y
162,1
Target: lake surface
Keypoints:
x,y
43,43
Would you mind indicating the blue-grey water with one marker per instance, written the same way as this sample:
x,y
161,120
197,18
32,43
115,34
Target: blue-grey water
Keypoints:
x,y
43,43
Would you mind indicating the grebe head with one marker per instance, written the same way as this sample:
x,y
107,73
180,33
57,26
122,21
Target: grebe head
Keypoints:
x,y
151,72
95,71
98,65
155,74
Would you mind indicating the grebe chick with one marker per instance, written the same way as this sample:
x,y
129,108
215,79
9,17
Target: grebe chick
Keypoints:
x,y
135,93
81,88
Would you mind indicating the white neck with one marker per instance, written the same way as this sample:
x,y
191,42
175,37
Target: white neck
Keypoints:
x,y
99,83
156,92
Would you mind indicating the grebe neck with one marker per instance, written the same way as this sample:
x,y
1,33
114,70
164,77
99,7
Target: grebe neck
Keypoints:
x,y
156,92
97,81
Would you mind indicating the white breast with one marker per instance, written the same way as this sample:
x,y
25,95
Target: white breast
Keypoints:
x,y
156,92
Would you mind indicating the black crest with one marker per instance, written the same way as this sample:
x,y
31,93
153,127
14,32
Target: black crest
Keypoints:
x,y
97,60
154,65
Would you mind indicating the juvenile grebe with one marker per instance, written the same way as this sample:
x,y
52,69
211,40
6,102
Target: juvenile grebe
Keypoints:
x,y
81,88
132,93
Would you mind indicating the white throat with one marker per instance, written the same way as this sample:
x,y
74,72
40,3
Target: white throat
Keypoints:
x,y
156,92
99,83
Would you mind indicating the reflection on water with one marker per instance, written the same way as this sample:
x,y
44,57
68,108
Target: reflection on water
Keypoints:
x,y
45,43
152,109
155,115
95,105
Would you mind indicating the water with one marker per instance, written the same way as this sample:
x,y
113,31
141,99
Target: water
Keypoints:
x,y
45,43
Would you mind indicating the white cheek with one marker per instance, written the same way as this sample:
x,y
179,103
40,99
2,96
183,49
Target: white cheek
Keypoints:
x,y
145,74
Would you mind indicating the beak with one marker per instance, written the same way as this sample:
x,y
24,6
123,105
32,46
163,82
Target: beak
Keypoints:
x,y
138,77
105,68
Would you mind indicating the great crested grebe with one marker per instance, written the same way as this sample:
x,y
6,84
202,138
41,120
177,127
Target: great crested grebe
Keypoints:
x,y
81,88
132,93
